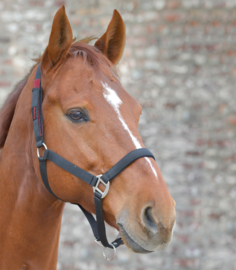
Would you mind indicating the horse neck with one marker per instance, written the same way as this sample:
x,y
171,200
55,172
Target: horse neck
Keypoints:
x,y
30,216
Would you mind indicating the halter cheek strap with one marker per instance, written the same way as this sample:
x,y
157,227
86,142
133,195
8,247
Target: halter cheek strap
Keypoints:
x,y
98,226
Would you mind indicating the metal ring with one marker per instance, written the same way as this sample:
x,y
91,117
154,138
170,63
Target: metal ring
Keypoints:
x,y
44,145
114,254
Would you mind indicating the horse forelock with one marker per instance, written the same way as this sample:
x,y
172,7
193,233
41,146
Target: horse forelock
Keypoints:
x,y
92,55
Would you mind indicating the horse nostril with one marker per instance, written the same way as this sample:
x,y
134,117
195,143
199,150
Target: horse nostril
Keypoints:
x,y
148,220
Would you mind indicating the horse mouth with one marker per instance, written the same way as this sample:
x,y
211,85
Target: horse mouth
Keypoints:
x,y
130,242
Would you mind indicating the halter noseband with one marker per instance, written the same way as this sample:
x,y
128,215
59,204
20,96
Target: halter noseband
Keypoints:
x,y
98,226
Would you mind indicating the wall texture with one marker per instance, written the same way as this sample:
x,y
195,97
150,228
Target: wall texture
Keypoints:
x,y
179,63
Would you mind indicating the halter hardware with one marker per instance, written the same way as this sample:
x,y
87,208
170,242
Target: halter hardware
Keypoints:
x,y
104,248
114,253
96,188
45,147
98,225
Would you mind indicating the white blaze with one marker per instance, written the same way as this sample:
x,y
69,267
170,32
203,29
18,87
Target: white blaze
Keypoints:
x,y
112,98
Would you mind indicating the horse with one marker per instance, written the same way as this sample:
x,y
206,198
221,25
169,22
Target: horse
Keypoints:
x,y
90,120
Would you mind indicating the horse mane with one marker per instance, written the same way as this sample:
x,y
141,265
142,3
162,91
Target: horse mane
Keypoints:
x,y
90,54
7,111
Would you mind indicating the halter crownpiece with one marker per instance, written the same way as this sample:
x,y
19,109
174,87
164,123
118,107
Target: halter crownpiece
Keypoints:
x,y
98,226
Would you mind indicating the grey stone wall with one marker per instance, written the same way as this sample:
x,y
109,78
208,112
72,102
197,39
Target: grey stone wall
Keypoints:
x,y
179,63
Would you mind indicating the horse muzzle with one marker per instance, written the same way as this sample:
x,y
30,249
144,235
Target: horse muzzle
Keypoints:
x,y
145,234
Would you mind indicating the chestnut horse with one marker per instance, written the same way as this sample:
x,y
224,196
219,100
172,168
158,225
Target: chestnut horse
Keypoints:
x,y
90,120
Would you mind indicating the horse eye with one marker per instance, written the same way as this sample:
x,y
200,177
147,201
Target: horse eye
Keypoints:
x,y
76,116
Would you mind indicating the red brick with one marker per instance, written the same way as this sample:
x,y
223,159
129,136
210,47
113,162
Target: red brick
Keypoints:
x,y
36,3
173,17
5,83
185,262
173,4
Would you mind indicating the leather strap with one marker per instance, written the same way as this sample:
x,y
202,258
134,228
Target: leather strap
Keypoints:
x,y
70,167
100,220
90,178
125,162
94,225
43,171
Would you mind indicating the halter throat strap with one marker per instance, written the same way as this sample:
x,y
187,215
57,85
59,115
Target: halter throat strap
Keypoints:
x,y
98,226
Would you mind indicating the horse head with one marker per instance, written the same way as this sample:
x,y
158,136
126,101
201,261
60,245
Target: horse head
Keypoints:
x,y
92,121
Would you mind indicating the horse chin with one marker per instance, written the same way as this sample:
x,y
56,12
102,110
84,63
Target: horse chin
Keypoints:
x,y
130,243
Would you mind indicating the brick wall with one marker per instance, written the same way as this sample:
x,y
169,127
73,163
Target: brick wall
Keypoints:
x,y
179,63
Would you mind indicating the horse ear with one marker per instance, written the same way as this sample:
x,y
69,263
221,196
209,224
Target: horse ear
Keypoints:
x,y
60,40
113,41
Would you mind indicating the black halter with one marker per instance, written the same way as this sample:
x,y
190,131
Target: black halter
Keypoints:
x,y
98,226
